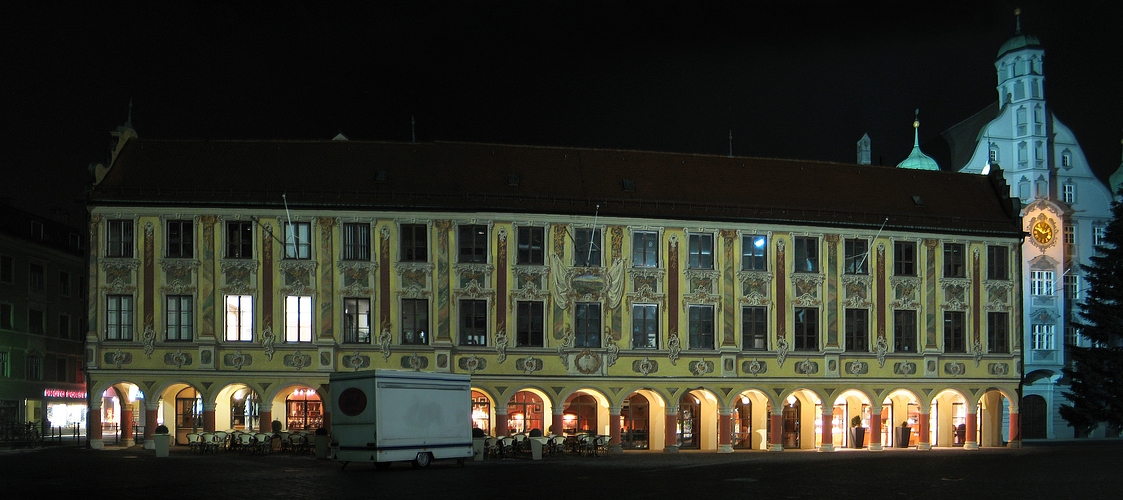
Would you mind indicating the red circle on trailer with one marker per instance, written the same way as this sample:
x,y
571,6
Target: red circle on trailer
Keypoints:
x,y
352,401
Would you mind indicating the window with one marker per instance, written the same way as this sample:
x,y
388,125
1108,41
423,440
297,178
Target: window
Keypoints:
x,y
35,277
239,240
298,240
1043,337
993,155
954,260
415,321
1070,234
180,240
645,249
298,318
531,246
6,316
415,239
586,328
473,322
1019,93
1066,160
998,263
954,338
1069,194
856,257
1023,129
119,238
701,251
34,368
4,364
35,320
64,326
645,326
356,320
472,240
1099,233
6,269
806,329
119,317
239,318
586,247
701,327
998,332
179,318
1041,283
806,255
356,241
531,324
904,331
754,328
64,283
754,253
1072,287
857,330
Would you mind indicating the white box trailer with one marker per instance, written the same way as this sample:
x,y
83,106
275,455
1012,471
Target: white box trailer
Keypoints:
x,y
385,416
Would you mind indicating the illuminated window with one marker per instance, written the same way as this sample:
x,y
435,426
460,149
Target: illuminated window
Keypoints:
x,y
1043,337
415,321
356,241
298,318
179,317
356,321
119,317
239,318
754,252
1041,282
298,240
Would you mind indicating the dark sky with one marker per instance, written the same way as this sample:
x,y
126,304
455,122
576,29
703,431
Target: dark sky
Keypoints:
x,y
791,79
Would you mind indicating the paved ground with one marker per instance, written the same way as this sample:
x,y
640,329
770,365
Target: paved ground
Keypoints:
x,y
1085,470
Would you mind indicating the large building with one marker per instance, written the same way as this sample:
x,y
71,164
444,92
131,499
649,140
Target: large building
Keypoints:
x,y
42,324
1065,210
670,301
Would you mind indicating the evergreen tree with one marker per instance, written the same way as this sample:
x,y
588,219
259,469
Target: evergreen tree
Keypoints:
x,y
1096,373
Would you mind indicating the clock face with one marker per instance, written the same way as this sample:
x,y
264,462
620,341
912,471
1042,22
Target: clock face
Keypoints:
x,y
1042,232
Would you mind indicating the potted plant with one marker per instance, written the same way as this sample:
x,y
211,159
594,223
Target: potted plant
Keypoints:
x,y
857,432
322,441
162,440
902,435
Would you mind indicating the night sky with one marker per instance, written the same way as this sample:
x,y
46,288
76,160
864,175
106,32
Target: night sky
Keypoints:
x,y
792,79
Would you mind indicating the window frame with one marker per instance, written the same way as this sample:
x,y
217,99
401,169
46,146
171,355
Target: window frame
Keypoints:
x,y
298,240
805,250
472,243
642,255
753,257
701,326
182,330
998,332
300,321
955,332
904,258
998,262
645,326
1043,337
754,328
587,318
905,331
472,324
955,260
36,327
36,277
243,312
529,252
120,238
239,239
64,284
587,243
415,321
355,329
700,251
855,260
1042,283
65,325
410,247
805,330
355,241
530,326
119,317
857,330
179,243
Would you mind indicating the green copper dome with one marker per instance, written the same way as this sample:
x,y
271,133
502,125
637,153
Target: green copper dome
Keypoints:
x,y
1019,41
917,160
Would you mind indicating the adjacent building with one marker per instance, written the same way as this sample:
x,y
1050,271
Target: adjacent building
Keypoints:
x,y
42,324
669,301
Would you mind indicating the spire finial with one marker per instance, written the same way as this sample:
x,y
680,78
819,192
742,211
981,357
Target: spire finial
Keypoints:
x,y
916,128
1017,21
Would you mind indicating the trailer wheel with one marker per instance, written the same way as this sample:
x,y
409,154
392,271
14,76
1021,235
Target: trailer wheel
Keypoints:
x,y
422,461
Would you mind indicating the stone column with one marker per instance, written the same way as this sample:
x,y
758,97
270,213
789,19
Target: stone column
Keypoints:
x,y
971,439
614,430
126,424
558,422
264,420
1015,429
725,430
776,440
151,413
208,417
671,430
828,429
875,429
500,422
93,425
923,443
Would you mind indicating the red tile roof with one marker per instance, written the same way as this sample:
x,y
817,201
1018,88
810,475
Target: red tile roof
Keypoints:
x,y
463,177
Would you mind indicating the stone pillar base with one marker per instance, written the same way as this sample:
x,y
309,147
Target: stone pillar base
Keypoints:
x,y
775,447
1014,444
725,448
829,447
670,449
971,445
127,443
97,444
149,444
876,447
923,446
